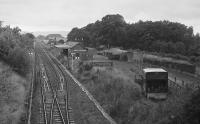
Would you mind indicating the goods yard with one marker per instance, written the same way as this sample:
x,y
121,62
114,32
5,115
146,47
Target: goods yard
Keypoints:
x,y
51,102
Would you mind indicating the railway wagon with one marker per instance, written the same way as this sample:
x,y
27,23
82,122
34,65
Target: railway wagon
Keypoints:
x,y
180,65
155,83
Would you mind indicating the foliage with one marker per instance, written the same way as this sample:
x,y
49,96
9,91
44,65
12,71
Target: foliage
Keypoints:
x,y
14,48
61,41
27,40
159,36
13,89
192,110
116,97
87,67
125,103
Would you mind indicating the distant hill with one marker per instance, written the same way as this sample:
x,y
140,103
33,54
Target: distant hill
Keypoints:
x,y
45,33
54,35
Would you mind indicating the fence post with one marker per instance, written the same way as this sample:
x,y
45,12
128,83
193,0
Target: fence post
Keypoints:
x,y
187,86
175,79
183,84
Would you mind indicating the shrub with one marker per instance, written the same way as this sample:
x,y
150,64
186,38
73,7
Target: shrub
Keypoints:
x,y
192,109
116,96
88,67
14,48
18,58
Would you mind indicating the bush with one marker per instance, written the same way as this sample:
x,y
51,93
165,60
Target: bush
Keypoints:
x,y
14,48
88,67
116,97
124,58
18,59
192,109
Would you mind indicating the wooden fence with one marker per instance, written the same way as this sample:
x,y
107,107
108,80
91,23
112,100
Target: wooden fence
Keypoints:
x,y
181,84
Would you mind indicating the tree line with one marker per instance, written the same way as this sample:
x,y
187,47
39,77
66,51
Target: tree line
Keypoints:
x,y
159,36
14,48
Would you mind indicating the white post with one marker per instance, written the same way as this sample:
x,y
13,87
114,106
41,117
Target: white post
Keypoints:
x,y
61,88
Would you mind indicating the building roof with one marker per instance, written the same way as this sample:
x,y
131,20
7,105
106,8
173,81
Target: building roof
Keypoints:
x,y
67,45
62,46
153,70
90,48
72,43
54,35
115,51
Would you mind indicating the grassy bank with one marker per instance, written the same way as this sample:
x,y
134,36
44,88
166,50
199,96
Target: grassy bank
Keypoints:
x,y
13,90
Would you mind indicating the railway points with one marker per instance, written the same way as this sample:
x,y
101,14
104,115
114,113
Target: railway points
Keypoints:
x,y
51,95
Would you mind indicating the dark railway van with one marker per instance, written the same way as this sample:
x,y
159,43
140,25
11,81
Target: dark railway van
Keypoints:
x,y
180,65
155,83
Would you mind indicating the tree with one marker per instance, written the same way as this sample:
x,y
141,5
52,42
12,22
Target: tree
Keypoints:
x,y
170,47
27,40
13,48
112,30
109,19
180,47
61,41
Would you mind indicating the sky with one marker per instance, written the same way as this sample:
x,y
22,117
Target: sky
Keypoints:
x,y
63,15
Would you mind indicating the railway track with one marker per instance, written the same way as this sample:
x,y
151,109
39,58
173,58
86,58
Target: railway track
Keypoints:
x,y
51,101
54,106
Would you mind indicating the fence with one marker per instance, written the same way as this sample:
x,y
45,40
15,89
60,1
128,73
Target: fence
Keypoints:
x,y
180,84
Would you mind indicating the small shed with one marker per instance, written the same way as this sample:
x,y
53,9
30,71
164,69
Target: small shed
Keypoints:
x,y
100,61
71,47
102,47
77,49
90,53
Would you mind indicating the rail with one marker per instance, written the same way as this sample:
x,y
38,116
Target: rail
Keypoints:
x,y
84,90
31,92
59,79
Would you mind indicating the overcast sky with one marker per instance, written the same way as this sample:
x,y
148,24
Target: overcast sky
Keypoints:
x,y
57,15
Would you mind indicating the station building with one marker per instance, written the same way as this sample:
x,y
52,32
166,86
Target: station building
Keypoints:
x,y
76,50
